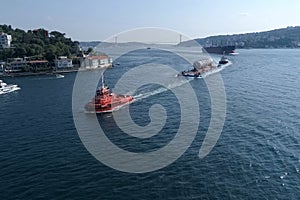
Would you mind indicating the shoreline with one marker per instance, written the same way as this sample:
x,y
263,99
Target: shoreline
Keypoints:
x,y
22,74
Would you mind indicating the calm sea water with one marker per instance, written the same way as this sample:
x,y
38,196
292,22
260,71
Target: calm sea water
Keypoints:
x,y
256,157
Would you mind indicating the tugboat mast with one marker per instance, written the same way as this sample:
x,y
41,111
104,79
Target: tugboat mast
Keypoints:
x,y
102,80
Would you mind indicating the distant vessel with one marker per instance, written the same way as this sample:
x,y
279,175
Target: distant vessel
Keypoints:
x,y
4,88
224,59
106,101
204,67
230,49
200,68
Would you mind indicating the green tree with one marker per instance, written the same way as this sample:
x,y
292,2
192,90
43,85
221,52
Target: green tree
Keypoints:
x,y
90,49
37,43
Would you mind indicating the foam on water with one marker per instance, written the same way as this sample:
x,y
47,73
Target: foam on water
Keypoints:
x,y
177,83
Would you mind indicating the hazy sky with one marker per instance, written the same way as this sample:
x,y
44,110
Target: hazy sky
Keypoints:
x,y
100,19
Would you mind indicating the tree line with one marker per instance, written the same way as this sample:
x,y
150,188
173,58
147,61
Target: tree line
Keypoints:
x,y
37,43
279,38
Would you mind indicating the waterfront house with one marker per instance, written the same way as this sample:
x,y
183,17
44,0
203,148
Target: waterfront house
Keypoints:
x,y
19,65
96,61
16,65
63,63
38,65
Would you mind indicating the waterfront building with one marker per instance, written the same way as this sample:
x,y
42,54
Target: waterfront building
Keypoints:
x,y
38,65
97,61
18,65
63,62
15,65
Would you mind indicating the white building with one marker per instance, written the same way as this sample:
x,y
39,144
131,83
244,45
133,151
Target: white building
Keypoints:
x,y
92,62
16,65
5,40
63,62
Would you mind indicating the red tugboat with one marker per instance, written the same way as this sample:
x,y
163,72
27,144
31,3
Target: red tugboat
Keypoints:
x,y
106,101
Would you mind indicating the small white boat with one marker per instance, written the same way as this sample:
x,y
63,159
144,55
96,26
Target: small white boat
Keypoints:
x,y
59,76
5,88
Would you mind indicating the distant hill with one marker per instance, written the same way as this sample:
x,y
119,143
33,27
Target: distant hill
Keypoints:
x,y
279,38
91,44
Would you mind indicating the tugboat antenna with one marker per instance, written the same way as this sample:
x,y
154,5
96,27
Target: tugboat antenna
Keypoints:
x,y
102,80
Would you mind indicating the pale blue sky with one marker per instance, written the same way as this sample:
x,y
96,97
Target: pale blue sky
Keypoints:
x,y
100,19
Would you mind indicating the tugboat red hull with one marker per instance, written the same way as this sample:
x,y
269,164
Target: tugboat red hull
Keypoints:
x,y
114,103
106,101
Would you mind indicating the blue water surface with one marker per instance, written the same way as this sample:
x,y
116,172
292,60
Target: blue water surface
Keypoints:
x,y
256,157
